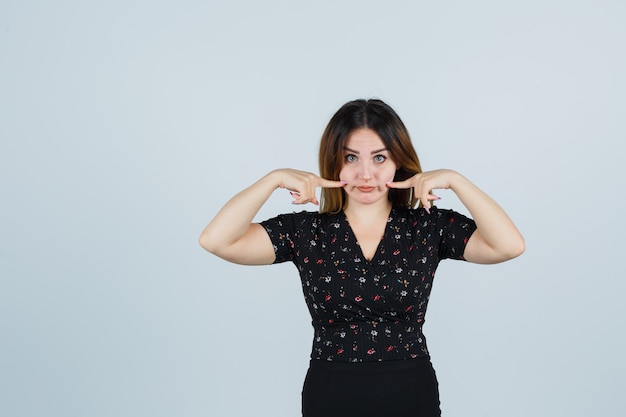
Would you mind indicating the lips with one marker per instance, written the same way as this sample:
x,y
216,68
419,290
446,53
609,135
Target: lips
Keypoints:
x,y
365,189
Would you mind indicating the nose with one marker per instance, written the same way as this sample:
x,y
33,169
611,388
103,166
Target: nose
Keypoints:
x,y
366,171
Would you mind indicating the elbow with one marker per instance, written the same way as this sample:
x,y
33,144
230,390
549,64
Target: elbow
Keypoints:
x,y
516,248
522,246
208,244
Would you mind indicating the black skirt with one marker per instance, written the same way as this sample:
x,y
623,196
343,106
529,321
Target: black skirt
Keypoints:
x,y
399,388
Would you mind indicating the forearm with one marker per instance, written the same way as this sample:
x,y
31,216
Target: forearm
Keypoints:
x,y
496,229
234,219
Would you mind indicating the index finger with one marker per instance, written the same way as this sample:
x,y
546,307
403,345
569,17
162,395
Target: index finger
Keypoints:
x,y
400,184
324,183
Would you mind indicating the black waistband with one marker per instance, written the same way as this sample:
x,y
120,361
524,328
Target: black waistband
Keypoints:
x,y
371,366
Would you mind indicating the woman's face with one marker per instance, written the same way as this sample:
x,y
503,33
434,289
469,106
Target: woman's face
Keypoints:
x,y
367,167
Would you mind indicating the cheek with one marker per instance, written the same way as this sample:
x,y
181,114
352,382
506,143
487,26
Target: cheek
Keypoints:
x,y
388,173
344,174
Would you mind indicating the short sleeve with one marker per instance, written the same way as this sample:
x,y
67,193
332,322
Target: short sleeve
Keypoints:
x,y
282,232
454,230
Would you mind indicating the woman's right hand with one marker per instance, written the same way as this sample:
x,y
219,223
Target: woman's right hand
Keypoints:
x,y
302,185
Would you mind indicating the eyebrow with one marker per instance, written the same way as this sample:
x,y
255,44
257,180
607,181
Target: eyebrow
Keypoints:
x,y
345,148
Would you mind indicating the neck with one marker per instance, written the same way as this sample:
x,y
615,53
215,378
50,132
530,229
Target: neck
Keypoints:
x,y
366,213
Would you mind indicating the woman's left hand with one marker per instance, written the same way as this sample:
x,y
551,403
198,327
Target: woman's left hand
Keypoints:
x,y
424,183
496,238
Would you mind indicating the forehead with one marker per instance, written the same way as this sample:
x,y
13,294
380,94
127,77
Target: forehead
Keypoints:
x,y
363,140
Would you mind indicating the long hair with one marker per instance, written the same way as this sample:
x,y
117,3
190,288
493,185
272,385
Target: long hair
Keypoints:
x,y
372,114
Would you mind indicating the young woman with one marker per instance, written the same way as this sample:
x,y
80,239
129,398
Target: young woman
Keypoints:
x,y
367,259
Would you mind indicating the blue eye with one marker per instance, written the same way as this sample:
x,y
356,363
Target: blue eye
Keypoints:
x,y
380,158
350,158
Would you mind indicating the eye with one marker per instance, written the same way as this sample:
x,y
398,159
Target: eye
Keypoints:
x,y
380,158
350,158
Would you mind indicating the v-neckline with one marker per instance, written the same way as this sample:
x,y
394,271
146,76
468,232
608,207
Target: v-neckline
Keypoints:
x,y
379,244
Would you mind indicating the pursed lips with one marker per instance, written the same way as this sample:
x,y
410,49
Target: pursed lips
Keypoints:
x,y
365,189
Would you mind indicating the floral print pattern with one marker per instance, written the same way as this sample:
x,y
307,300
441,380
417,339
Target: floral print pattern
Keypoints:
x,y
368,310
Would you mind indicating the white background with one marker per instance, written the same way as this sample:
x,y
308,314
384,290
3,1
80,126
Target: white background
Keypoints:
x,y
125,125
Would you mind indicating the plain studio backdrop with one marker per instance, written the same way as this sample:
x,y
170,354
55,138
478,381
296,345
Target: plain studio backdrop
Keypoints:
x,y
126,125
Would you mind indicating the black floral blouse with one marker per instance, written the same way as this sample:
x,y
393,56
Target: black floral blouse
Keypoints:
x,y
368,310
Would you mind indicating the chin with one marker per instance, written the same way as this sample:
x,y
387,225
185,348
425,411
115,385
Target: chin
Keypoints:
x,y
369,199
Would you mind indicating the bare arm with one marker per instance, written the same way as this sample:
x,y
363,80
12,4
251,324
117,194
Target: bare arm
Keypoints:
x,y
233,236
496,238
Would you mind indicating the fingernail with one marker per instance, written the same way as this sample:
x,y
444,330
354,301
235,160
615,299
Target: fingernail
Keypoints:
x,y
343,182
427,209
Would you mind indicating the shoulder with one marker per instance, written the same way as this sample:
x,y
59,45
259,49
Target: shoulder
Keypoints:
x,y
301,216
407,215
299,220
437,217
